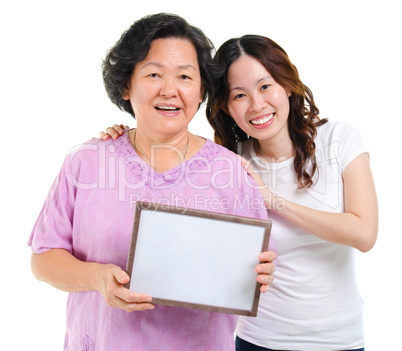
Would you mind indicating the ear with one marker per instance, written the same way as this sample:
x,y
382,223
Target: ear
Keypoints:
x,y
201,95
126,93
225,109
289,94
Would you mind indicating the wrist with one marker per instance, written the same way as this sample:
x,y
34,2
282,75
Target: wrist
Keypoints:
x,y
274,202
95,276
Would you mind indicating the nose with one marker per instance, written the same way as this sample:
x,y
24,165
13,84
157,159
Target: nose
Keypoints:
x,y
169,88
257,103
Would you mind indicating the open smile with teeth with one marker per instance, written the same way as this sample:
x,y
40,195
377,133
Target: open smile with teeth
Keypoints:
x,y
167,108
263,120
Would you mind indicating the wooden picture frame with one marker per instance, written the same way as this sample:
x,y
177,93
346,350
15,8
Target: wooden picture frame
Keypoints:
x,y
196,259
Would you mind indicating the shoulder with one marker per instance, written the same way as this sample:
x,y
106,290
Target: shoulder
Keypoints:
x,y
246,149
339,135
341,141
230,177
98,149
88,158
85,148
224,162
211,151
335,130
223,158
84,153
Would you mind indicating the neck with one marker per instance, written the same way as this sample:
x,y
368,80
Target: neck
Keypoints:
x,y
274,151
161,155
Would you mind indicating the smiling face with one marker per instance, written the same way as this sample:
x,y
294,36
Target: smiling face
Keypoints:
x,y
258,104
165,88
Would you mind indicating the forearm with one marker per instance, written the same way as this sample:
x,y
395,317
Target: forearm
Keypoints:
x,y
62,270
357,226
341,228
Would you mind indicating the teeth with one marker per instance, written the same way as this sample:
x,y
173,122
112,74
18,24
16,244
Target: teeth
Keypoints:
x,y
262,120
167,108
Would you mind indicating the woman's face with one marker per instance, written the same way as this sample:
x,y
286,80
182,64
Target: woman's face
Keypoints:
x,y
258,104
165,88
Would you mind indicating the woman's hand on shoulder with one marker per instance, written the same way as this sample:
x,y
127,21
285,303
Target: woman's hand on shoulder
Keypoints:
x,y
113,132
270,199
110,283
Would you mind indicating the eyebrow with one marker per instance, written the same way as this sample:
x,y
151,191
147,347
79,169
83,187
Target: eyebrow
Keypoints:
x,y
157,64
256,83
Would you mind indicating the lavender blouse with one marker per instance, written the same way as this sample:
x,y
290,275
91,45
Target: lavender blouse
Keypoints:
x,y
89,212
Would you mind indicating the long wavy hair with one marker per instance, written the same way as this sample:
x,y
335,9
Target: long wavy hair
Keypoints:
x,y
303,114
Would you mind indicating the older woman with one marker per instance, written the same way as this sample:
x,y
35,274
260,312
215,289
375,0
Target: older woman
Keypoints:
x,y
158,71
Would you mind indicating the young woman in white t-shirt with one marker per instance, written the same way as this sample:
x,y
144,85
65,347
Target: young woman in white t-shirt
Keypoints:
x,y
319,191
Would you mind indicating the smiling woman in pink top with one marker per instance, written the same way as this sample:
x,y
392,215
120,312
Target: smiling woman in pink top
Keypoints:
x,y
159,71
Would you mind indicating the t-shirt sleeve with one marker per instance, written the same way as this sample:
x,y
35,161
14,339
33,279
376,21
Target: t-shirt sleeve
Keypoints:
x,y
53,228
350,144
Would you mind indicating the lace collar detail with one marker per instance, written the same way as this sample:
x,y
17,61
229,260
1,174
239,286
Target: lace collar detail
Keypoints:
x,y
149,177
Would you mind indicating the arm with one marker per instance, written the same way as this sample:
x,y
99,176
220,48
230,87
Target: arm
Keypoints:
x,y
356,227
62,270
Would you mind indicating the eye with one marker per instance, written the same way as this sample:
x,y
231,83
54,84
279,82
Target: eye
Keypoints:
x,y
153,75
185,77
265,87
239,96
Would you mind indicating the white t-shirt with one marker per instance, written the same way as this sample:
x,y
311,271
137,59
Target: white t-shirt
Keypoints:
x,y
314,302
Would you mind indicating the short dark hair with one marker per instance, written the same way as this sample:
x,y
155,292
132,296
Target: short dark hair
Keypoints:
x,y
134,45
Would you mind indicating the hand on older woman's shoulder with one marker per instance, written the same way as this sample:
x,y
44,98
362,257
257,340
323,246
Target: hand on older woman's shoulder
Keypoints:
x,y
113,132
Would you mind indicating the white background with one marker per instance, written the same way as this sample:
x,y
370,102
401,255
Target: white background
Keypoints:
x,y
52,98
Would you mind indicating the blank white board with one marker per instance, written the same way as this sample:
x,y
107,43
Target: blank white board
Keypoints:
x,y
197,259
